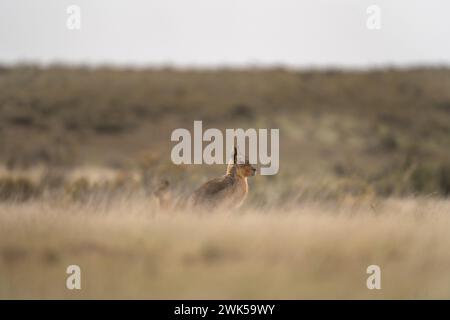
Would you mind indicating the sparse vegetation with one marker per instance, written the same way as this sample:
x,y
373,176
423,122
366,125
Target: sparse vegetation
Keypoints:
x,y
364,179
132,249
384,128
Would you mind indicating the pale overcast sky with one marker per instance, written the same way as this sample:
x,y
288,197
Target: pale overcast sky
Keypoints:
x,y
297,33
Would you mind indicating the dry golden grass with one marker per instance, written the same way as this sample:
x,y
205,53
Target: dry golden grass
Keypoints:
x,y
131,249
364,179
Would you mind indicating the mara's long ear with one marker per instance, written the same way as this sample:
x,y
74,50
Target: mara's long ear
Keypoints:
x,y
231,168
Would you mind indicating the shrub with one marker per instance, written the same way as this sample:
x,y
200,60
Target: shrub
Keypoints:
x,y
444,179
18,189
432,179
78,190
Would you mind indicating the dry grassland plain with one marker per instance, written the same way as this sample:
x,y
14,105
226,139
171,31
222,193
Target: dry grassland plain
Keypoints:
x,y
364,180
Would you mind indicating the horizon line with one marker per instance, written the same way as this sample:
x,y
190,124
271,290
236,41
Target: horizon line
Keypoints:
x,y
222,66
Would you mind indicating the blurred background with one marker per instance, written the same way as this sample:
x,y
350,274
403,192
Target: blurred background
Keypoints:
x,y
86,176
362,113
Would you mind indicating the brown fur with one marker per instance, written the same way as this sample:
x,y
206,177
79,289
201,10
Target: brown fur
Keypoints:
x,y
228,191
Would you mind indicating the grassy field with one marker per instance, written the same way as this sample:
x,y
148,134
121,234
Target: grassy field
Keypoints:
x,y
384,132
134,250
364,179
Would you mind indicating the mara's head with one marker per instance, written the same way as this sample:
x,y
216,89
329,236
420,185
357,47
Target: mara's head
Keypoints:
x,y
240,169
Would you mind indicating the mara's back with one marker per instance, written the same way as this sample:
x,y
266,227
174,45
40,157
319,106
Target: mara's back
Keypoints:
x,y
223,192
